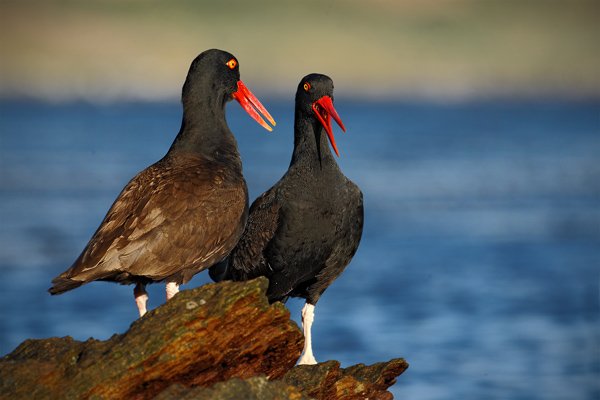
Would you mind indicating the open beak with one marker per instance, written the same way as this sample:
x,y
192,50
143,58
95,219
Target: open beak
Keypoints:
x,y
323,108
250,103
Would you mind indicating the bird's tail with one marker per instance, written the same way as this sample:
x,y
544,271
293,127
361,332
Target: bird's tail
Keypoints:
x,y
219,271
62,285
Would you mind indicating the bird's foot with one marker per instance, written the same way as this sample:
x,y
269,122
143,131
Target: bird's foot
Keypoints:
x,y
307,359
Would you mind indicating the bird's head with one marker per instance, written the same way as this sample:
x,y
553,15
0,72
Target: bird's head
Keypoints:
x,y
217,71
314,98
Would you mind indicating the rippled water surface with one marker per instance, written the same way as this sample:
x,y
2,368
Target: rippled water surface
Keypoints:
x,y
479,264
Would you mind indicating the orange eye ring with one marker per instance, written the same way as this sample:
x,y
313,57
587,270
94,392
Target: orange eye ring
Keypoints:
x,y
306,86
232,63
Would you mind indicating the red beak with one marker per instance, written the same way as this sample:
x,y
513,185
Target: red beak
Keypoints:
x,y
250,103
323,108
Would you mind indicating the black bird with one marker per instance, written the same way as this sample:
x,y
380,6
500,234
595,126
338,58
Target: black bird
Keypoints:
x,y
186,211
303,232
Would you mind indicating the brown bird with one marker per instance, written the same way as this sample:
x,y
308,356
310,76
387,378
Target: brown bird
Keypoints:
x,y
185,212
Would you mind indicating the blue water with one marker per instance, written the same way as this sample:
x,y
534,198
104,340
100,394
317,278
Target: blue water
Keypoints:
x,y
480,260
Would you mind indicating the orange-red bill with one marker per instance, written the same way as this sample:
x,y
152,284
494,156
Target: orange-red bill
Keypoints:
x,y
326,109
250,103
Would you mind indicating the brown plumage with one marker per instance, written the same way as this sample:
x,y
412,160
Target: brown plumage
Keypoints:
x,y
170,221
185,212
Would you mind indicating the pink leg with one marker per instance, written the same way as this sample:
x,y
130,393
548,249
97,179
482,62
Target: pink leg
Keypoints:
x,y
141,297
172,289
308,316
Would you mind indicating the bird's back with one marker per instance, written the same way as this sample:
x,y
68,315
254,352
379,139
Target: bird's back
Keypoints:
x,y
172,220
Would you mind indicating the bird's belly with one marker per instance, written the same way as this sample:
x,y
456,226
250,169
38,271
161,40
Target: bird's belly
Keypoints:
x,y
305,250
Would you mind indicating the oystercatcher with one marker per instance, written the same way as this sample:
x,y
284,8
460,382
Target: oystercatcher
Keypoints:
x,y
303,232
186,211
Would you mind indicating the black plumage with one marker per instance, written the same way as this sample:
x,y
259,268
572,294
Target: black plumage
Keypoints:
x,y
186,211
302,232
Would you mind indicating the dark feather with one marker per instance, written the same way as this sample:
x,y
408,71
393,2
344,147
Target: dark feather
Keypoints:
x,y
183,213
304,231
171,221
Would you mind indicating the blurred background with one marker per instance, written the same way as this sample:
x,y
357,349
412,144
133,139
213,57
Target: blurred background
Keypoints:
x,y
473,129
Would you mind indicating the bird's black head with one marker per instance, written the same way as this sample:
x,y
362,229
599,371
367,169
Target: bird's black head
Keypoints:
x,y
215,74
314,99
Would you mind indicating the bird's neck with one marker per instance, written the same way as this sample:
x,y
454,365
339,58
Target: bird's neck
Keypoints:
x,y
204,132
311,146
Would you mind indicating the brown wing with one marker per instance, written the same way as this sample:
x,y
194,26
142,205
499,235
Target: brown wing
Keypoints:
x,y
168,219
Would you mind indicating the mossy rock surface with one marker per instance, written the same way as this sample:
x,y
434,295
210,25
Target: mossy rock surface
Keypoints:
x,y
218,341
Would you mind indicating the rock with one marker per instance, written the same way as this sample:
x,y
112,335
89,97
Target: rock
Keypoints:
x,y
327,381
257,388
324,381
200,337
219,341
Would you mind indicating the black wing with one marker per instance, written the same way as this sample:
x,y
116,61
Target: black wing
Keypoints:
x,y
248,259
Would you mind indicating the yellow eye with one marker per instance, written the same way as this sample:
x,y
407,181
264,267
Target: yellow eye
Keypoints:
x,y
306,86
232,63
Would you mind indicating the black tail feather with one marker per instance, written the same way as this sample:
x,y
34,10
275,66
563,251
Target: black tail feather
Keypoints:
x,y
219,271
